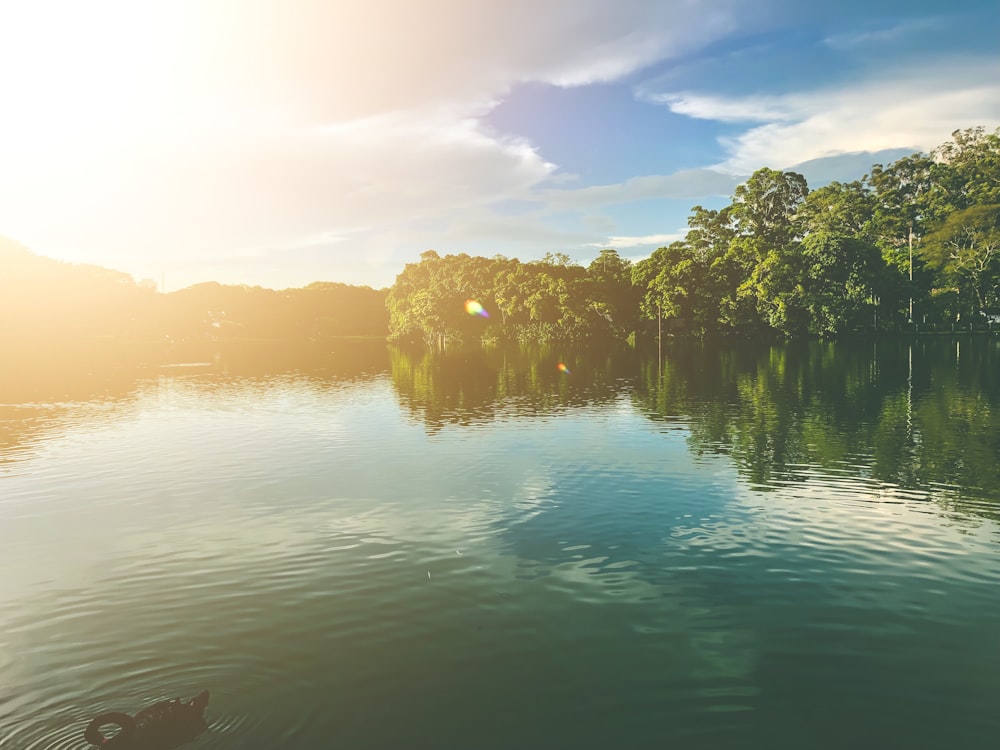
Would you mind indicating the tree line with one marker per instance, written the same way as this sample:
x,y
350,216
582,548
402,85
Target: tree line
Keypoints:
x,y
913,243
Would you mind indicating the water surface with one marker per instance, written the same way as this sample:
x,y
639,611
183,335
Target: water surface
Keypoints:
x,y
371,548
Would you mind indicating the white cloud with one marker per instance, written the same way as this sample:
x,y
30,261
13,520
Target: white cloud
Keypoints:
x,y
267,188
721,109
178,131
880,37
685,183
658,240
274,137
915,108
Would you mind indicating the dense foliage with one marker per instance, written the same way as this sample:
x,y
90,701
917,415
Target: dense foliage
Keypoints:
x,y
913,243
539,301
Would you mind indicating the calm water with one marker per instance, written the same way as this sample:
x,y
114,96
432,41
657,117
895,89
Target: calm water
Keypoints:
x,y
739,548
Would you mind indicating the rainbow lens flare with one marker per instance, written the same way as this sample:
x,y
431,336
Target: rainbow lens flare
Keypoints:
x,y
563,368
474,308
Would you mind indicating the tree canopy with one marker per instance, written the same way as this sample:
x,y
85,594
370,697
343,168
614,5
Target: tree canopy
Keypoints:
x,y
538,301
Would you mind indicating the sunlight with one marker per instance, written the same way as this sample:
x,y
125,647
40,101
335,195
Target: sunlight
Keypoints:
x,y
81,72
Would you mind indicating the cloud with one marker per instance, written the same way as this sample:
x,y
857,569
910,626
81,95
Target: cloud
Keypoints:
x,y
267,187
173,132
118,64
721,109
658,240
880,37
916,108
685,183
345,60
278,136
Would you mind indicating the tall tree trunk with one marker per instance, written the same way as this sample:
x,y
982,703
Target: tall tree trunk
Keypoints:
x,y
659,335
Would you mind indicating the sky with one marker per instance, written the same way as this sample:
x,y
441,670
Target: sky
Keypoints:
x,y
281,142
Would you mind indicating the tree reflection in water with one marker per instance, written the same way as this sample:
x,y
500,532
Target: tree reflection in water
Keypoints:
x,y
918,415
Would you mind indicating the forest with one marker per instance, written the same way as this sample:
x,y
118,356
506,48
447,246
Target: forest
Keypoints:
x,y
912,246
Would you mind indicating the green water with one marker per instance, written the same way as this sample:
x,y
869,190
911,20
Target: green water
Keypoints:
x,y
782,547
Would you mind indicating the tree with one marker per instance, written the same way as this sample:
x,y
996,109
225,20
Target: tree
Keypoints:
x,y
644,274
777,284
966,252
428,298
765,213
765,206
840,281
971,164
509,289
611,294
779,258
839,209
903,199
709,240
672,281
557,259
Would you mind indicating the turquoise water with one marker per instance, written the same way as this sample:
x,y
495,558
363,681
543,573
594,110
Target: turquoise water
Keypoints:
x,y
734,548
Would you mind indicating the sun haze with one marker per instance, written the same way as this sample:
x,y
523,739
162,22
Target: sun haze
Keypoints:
x,y
278,143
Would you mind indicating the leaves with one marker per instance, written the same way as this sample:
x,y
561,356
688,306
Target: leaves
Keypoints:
x,y
966,253
549,299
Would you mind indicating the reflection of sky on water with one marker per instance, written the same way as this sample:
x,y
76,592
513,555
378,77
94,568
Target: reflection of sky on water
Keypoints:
x,y
728,566
602,477
249,508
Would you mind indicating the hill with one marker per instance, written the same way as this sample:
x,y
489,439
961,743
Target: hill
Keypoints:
x,y
45,300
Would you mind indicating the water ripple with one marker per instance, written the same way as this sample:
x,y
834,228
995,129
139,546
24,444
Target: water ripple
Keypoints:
x,y
535,581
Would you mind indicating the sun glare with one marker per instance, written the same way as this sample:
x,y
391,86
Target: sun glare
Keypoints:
x,y
75,69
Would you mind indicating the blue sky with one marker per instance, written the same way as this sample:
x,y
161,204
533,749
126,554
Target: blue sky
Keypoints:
x,y
277,143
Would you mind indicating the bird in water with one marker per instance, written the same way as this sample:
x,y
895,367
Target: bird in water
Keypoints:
x,y
161,726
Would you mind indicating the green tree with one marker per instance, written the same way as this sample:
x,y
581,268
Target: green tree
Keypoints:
x,y
842,209
672,282
777,282
905,201
970,167
764,254
966,253
909,201
612,296
510,290
644,275
559,307
765,207
709,238
840,277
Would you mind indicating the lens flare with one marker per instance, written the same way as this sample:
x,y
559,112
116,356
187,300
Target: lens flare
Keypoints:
x,y
563,368
474,308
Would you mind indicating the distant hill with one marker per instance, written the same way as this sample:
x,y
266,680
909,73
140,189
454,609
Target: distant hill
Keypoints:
x,y
42,299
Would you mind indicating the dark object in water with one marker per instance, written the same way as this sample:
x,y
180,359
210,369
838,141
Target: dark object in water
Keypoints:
x,y
161,726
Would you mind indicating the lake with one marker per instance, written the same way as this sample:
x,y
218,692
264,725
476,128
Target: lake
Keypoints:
x,y
735,547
